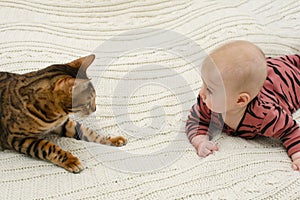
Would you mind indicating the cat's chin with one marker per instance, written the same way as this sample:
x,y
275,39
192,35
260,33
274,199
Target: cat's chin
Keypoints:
x,y
83,115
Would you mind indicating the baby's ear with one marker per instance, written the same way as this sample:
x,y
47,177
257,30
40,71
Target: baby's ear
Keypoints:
x,y
82,63
243,99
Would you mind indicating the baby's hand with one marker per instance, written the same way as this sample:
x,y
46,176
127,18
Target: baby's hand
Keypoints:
x,y
203,146
296,161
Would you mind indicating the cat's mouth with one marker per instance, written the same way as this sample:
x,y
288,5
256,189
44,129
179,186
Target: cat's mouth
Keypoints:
x,y
83,110
83,115
86,113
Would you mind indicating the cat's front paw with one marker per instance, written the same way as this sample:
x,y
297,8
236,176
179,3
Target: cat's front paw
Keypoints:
x,y
118,141
72,164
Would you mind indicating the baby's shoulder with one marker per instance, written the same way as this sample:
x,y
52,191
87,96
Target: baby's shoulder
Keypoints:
x,y
262,107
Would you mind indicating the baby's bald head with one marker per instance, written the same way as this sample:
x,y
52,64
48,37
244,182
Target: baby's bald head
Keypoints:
x,y
241,65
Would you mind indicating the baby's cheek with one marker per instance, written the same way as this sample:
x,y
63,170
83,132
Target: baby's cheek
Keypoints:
x,y
208,103
218,105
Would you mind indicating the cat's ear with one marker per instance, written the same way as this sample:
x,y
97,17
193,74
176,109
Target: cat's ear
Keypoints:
x,y
82,63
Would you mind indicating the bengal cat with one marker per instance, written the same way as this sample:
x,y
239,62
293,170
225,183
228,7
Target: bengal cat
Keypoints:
x,y
37,103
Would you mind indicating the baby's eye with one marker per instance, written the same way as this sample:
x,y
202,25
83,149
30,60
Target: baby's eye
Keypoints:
x,y
208,90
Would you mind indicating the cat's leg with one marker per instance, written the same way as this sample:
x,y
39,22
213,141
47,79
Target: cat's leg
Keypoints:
x,y
73,129
45,150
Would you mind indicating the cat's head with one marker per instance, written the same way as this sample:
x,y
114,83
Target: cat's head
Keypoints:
x,y
75,90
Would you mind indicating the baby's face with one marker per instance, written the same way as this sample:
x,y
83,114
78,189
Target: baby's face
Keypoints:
x,y
212,90
216,92
230,72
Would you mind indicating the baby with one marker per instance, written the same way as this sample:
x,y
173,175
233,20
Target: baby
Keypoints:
x,y
250,94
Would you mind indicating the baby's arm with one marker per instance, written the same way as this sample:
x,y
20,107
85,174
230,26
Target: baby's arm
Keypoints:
x,y
279,124
203,146
294,60
197,129
294,149
296,161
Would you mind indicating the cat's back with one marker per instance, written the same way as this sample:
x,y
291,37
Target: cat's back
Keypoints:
x,y
5,79
5,76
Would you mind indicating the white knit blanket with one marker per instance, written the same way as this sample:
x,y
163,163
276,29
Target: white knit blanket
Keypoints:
x,y
147,77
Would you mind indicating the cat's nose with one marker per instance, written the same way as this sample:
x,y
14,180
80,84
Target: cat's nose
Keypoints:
x,y
94,108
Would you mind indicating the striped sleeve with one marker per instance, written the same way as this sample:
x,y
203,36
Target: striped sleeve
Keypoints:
x,y
279,124
293,59
198,120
